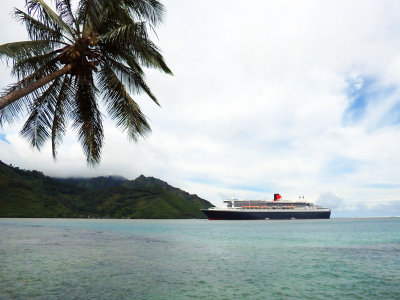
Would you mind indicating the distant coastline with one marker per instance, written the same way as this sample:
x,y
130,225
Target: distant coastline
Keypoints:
x,y
31,194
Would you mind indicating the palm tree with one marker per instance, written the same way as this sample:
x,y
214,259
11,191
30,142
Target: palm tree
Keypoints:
x,y
72,59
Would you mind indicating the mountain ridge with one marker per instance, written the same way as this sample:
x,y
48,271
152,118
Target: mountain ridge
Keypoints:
x,y
25,193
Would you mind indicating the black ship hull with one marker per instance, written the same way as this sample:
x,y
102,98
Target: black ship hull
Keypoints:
x,y
265,215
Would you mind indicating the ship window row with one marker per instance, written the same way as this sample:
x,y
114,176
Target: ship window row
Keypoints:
x,y
263,204
273,207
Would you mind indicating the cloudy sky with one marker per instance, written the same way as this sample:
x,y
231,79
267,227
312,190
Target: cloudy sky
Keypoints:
x,y
290,97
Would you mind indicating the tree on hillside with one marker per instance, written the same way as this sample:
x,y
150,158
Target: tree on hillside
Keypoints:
x,y
72,59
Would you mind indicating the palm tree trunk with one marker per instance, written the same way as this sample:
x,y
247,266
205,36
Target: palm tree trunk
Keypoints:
x,y
15,95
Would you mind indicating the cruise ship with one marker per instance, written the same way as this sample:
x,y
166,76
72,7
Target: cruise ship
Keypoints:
x,y
277,209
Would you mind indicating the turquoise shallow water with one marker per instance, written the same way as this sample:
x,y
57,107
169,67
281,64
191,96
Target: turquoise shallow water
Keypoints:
x,y
199,259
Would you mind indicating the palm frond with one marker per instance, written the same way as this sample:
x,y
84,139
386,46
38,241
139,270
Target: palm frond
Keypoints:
x,y
90,14
10,113
100,14
25,49
129,33
62,107
36,29
47,16
133,80
87,119
27,66
37,128
140,47
13,111
150,56
151,10
130,60
120,105
64,8
44,70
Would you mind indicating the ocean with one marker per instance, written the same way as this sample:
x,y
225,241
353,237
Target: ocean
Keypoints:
x,y
199,259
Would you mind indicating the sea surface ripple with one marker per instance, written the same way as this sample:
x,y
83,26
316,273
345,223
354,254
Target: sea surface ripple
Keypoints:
x,y
199,259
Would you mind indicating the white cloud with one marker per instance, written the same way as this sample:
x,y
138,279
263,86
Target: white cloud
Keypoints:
x,y
329,200
257,102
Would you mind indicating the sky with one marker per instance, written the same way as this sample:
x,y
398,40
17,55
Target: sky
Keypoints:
x,y
290,97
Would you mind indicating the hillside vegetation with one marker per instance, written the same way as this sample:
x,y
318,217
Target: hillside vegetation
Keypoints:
x,y
32,194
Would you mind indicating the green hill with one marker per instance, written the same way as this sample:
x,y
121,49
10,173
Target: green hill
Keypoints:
x,y
101,182
32,194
